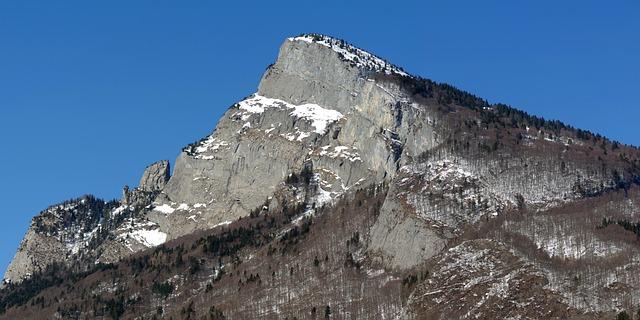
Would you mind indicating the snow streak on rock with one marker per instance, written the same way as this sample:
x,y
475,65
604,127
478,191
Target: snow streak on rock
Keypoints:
x,y
347,52
211,144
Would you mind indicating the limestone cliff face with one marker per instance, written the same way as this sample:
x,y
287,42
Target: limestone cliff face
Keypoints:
x,y
55,235
449,159
36,251
312,105
155,176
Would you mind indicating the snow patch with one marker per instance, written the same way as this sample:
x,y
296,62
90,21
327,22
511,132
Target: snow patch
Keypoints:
x,y
165,208
143,232
341,152
224,223
209,145
119,210
319,117
149,238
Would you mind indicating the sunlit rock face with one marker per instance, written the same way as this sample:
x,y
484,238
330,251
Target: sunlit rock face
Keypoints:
x,y
311,105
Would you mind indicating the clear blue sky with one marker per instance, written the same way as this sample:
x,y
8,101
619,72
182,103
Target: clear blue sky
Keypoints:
x,y
93,91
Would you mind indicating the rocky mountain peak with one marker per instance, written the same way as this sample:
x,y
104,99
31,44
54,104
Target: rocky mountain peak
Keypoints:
x,y
351,54
155,176
313,68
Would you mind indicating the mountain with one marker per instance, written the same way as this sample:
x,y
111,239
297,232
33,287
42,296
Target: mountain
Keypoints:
x,y
347,188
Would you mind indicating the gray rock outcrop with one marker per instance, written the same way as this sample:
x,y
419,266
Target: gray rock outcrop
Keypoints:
x,y
155,176
88,230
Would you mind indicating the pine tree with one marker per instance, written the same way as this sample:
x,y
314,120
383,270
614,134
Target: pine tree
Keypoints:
x,y
623,316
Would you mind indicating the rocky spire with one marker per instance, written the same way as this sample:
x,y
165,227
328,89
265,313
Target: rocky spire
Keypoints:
x,y
155,176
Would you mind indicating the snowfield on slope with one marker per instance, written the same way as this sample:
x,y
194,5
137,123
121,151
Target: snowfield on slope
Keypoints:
x,y
318,116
